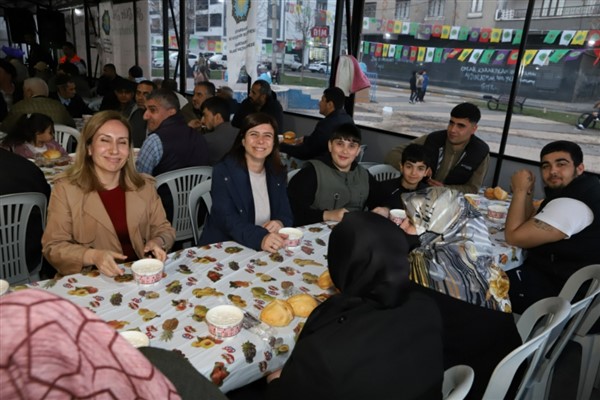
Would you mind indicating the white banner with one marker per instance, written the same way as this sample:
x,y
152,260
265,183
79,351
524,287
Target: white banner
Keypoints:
x,y
242,45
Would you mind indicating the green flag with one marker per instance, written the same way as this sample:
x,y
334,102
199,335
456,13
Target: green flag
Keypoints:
x,y
437,58
486,57
557,55
463,34
551,36
518,36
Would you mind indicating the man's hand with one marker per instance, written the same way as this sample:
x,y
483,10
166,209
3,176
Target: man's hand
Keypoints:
x,y
334,215
522,181
195,124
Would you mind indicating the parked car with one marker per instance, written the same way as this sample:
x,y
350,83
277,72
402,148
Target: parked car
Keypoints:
x,y
192,59
218,61
322,67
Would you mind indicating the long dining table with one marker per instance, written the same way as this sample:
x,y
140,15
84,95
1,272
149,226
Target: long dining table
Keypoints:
x,y
171,312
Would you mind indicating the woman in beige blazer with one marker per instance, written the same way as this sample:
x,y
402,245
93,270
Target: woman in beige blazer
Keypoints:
x,y
102,211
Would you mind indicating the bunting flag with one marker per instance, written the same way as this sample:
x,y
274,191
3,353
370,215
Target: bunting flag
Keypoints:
x,y
446,31
566,37
399,49
406,50
454,32
496,35
475,56
454,52
464,54
512,57
474,35
436,31
421,54
366,23
391,50
446,54
594,38
365,47
463,34
414,29
429,54
486,57
507,35
542,57
579,38
518,36
397,26
574,55
528,57
551,36
378,23
378,49
386,48
597,60
500,58
413,53
484,35
390,26
424,32
439,52
557,55
373,48
405,28
218,46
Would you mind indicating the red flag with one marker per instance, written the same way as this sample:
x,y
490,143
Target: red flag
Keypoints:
x,y
484,35
437,31
512,57
413,53
454,53
378,49
597,53
390,25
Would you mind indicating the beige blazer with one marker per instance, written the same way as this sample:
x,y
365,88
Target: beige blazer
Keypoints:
x,y
78,221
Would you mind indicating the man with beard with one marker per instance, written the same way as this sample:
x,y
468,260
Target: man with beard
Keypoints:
x,y
260,99
136,119
562,235
219,132
192,111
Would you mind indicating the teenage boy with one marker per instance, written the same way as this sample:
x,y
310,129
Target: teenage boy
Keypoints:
x,y
415,168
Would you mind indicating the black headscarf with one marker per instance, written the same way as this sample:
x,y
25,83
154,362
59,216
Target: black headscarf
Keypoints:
x,y
368,259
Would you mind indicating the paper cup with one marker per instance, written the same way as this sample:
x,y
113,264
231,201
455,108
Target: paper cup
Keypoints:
x,y
224,321
294,237
147,271
135,338
4,285
397,216
497,212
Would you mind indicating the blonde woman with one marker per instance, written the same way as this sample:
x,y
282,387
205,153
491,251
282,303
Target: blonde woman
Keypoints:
x,y
102,211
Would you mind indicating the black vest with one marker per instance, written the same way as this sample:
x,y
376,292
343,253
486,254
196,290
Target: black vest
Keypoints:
x,y
182,146
566,256
473,155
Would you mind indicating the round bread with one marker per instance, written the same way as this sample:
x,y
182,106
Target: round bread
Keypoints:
x,y
489,193
289,137
51,154
500,194
277,313
302,304
324,281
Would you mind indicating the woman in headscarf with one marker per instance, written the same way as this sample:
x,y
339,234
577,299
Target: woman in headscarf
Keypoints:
x,y
378,338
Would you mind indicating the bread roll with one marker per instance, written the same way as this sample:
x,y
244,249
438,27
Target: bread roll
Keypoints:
x,y
51,154
277,313
302,304
500,194
289,137
489,193
324,281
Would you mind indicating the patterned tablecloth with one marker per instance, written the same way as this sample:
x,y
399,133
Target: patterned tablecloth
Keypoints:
x,y
171,312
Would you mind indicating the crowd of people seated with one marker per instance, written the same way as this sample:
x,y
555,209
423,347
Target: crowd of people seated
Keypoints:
x,y
105,210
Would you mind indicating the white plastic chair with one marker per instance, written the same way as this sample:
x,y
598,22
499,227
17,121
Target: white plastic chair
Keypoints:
x,y
62,134
200,191
15,210
180,183
457,382
535,326
291,174
383,172
579,315
361,153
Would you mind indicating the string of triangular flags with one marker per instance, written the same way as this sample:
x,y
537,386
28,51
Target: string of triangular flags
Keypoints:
x,y
411,54
473,34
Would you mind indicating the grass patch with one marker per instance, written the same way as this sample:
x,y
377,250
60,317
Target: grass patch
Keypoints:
x,y
550,115
306,81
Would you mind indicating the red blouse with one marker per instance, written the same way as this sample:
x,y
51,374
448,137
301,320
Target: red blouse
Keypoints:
x,y
114,203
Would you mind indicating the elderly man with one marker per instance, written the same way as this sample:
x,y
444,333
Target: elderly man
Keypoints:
x,y
66,93
171,144
260,99
459,158
219,132
192,112
314,145
562,235
36,100
136,119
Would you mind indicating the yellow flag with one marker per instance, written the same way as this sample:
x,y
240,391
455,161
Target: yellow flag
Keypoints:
x,y
421,54
465,54
529,56
579,37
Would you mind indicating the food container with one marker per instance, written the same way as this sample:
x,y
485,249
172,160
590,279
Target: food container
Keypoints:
x,y
294,237
147,271
4,285
397,216
224,321
136,338
497,212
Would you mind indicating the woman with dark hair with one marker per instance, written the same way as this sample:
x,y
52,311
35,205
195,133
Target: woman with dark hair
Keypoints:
x,y
102,211
250,202
379,338
32,136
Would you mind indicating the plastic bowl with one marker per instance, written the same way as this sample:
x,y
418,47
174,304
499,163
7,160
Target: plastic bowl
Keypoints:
x,y
224,321
147,271
497,212
294,237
